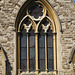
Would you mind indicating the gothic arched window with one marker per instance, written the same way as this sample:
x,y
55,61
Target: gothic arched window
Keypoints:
x,y
36,40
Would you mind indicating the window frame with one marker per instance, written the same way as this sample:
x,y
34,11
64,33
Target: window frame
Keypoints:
x,y
36,37
36,46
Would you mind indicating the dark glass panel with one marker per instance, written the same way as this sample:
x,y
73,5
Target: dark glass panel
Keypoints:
x,y
31,53
31,32
49,32
45,22
41,32
23,32
23,41
23,65
50,65
36,10
23,53
41,65
41,50
32,65
31,50
41,53
41,41
50,41
27,22
50,53
32,41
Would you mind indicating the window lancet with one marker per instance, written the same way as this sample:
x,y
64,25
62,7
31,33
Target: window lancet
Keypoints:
x,y
36,40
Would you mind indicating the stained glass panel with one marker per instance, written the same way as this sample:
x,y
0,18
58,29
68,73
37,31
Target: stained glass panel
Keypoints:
x,y
23,32
32,65
23,41
27,22
23,53
32,41
23,65
50,41
32,59
32,53
41,41
50,65
41,53
36,10
50,53
41,65
45,22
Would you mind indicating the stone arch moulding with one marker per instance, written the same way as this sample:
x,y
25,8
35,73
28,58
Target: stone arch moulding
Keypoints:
x,y
22,4
3,62
53,18
72,59
71,55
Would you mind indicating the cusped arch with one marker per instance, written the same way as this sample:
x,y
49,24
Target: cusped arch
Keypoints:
x,y
53,16
52,23
27,16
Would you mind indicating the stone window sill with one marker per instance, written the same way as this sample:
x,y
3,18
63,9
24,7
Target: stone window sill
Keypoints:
x,y
41,73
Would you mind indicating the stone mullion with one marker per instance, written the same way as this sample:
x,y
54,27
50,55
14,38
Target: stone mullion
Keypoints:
x,y
55,55
46,51
19,54
36,48
27,52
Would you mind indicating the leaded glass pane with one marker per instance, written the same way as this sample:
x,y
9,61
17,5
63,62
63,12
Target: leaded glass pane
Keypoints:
x,y
50,41
49,32
32,59
32,41
41,53
27,22
41,41
23,53
36,10
42,65
41,32
23,65
31,32
50,65
45,22
23,41
32,65
32,53
41,50
23,32
50,53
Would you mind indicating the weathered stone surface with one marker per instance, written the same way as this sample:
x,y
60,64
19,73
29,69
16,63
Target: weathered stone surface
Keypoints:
x,y
65,10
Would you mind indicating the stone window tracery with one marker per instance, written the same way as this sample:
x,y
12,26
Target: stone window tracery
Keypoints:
x,y
35,40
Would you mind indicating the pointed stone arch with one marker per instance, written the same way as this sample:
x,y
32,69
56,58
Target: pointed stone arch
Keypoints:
x,y
3,61
19,8
22,4
71,55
